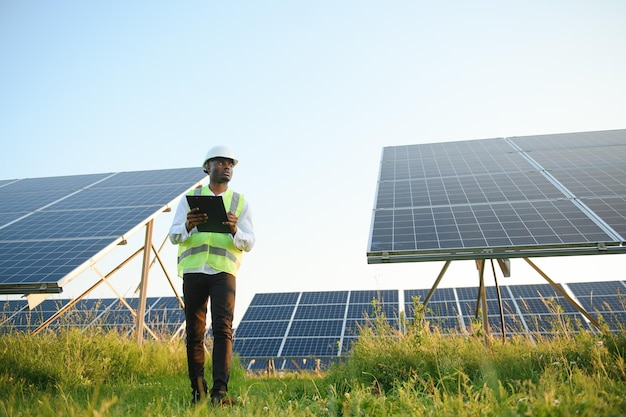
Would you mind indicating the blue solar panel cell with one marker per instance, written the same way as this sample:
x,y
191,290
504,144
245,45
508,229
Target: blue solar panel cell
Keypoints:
x,y
311,346
469,309
316,328
533,291
346,346
612,210
447,159
549,324
119,319
65,183
467,293
275,299
581,157
356,311
6,218
129,198
320,312
437,309
615,320
250,329
45,261
164,303
26,202
186,177
256,347
603,304
268,312
446,325
512,187
570,140
11,306
164,316
354,327
324,297
511,325
442,294
58,225
598,288
590,182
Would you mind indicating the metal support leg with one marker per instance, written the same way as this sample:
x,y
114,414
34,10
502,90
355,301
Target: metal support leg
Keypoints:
x,y
564,294
434,287
483,297
493,269
141,307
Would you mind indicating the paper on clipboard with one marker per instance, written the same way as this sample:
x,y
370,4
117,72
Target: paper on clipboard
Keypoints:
x,y
213,206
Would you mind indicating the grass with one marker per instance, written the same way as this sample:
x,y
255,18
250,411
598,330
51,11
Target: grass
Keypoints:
x,y
418,372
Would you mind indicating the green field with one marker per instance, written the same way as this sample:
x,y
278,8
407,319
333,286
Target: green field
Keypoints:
x,y
416,373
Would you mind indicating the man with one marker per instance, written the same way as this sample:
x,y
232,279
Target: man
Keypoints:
x,y
208,263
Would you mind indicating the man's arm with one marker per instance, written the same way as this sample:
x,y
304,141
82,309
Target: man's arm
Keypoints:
x,y
244,238
178,230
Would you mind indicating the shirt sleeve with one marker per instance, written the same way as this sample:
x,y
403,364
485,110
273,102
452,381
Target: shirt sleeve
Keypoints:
x,y
178,231
244,238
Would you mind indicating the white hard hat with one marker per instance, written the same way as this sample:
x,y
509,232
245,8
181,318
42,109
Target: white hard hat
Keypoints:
x,y
219,152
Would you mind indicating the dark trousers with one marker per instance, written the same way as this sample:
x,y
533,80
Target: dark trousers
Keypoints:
x,y
197,290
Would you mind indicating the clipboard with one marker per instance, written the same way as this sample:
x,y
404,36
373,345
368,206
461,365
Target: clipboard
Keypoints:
x,y
213,206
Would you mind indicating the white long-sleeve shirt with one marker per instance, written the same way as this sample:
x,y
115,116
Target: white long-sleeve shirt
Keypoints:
x,y
243,240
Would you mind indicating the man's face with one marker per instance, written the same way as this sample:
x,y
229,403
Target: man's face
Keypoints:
x,y
220,169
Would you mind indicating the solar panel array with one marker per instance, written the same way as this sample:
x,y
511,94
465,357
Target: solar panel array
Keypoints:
x,y
307,330
501,198
49,227
296,326
290,328
163,315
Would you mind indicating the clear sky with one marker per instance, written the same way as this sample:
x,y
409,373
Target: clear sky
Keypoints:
x,y
307,94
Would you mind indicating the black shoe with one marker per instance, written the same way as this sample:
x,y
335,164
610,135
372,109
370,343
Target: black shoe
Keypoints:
x,y
198,391
197,396
220,397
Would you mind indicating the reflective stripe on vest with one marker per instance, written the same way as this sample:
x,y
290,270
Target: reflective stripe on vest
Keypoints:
x,y
214,249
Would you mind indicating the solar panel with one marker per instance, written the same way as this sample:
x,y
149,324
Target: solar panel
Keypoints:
x,y
527,196
50,227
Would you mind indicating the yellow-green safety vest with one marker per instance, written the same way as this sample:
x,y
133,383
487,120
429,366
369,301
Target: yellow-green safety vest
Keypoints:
x,y
215,249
